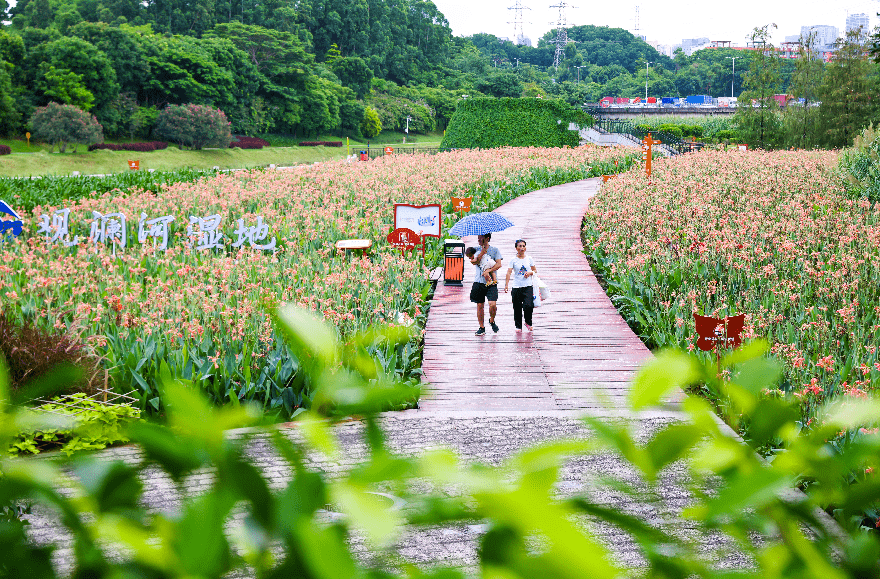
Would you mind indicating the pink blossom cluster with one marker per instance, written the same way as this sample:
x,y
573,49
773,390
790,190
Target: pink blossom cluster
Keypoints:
x,y
772,235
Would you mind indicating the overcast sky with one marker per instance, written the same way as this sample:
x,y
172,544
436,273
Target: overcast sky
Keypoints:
x,y
667,22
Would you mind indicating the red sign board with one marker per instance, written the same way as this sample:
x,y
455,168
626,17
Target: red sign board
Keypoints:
x,y
405,240
134,165
714,332
389,150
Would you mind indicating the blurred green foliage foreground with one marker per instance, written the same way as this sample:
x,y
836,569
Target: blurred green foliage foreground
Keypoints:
x,y
530,533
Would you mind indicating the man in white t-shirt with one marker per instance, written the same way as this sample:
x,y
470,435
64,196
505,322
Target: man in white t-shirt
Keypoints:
x,y
480,292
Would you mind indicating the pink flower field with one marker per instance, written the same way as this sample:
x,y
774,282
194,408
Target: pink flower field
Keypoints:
x,y
201,314
771,235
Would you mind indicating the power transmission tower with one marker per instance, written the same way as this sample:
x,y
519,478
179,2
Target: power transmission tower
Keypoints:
x,y
561,34
636,34
518,21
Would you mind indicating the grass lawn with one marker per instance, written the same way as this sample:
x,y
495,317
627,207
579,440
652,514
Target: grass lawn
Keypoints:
x,y
104,162
385,138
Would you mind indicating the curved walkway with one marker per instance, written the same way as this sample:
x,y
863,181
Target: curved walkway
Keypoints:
x,y
581,355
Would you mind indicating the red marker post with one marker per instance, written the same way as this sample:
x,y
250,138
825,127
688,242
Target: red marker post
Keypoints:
x,y
648,152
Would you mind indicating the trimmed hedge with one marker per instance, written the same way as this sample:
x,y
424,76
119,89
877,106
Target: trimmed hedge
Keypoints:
x,y
140,147
243,142
488,123
5,150
320,143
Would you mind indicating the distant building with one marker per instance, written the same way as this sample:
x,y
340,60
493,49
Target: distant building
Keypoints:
x,y
860,22
523,40
793,38
691,45
826,35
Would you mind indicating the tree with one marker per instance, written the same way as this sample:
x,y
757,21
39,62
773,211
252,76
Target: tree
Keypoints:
x,y
194,126
801,120
10,118
756,115
370,126
848,93
354,73
65,87
75,55
500,84
59,125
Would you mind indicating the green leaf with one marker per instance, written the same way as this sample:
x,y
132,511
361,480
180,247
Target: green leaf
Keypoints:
x,y
668,371
371,512
847,414
308,333
671,444
200,542
758,374
747,490
113,485
174,454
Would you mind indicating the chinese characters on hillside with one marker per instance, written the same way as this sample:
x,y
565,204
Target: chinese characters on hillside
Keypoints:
x,y
111,229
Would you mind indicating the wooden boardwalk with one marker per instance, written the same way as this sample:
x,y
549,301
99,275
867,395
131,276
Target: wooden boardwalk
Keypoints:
x,y
581,354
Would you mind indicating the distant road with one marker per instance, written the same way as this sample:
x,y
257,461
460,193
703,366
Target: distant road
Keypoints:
x,y
629,112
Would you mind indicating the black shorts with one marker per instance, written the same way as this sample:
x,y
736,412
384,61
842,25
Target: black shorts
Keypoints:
x,y
480,292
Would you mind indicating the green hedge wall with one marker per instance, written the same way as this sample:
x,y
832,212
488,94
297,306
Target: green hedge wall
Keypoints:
x,y
488,123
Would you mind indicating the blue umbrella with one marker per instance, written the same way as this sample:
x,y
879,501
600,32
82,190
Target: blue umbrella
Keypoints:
x,y
480,224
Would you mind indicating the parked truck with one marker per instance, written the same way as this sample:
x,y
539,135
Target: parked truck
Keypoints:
x,y
699,99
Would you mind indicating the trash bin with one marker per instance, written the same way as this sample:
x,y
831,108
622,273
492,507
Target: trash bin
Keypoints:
x,y
453,270
364,156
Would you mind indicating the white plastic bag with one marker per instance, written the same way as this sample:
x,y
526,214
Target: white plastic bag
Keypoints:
x,y
536,299
540,289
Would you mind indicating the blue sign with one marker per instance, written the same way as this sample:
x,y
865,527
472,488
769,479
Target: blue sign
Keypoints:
x,y
14,227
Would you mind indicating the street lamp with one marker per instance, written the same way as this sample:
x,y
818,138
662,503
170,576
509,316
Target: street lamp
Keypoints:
x,y
579,72
646,80
733,76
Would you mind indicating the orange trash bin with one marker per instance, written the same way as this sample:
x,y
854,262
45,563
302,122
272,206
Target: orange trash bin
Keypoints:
x,y
453,270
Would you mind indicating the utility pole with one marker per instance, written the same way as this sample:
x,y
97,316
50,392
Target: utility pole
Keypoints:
x,y
733,76
646,78
518,21
579,72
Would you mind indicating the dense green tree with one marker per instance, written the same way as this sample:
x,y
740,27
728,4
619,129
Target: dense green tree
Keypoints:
x,y
10,117
124,46
801,121
500,84
65,87
757,113
849,93
354,73
188,17
371,125
74,55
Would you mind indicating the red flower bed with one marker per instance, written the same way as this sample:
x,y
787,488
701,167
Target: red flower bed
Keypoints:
x,y
5,150
320,143
141,147
243,142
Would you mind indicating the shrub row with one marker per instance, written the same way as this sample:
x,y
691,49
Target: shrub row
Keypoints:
x,y
5,150
243,142
142,147
487,123
320,143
